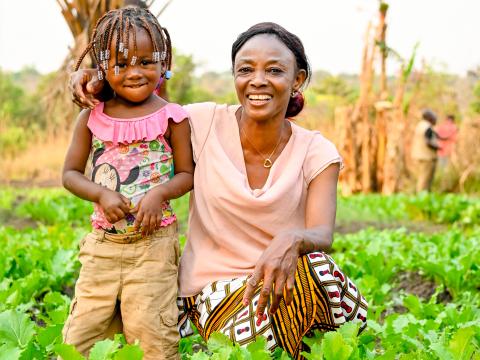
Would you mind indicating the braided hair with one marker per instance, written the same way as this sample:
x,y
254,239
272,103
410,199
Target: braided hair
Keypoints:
x,y
293,43
119,24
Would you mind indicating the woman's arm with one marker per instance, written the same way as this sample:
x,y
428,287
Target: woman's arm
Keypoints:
x,y
278,263
149,208
115,205
86,88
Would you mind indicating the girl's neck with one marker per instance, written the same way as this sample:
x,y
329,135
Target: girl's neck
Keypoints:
x,y
121,108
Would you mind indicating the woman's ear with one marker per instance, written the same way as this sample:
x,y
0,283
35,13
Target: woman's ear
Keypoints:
x,y
300,78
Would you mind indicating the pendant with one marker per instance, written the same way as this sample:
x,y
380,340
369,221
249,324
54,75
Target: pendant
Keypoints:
x,y
267,163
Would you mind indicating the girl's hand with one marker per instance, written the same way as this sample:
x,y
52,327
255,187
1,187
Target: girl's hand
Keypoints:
x,y
149,211
114,205
84,85
276,267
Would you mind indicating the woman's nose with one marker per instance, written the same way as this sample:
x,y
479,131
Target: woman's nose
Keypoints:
x,y
259,78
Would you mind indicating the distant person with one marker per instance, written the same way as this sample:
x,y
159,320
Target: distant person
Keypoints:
x,y
447,136
424,150
138,148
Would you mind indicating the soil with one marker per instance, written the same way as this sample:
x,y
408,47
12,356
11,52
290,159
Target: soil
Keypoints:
x,y
416,284
8,218
355,226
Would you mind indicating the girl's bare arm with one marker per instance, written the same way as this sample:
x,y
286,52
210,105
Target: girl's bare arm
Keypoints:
x,y
149,209
114,204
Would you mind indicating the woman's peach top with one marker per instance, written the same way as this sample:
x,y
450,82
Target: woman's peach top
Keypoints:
x,y
230,224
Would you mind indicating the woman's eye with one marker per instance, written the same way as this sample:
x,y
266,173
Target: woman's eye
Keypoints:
x,y
244,70
275,70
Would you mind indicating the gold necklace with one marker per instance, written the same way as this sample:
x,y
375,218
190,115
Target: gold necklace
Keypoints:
x,y
267,162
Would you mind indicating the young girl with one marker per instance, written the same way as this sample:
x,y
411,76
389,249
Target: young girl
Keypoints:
x,y
137,149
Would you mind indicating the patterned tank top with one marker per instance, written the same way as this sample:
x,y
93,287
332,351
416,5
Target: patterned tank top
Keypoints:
x,y
131,156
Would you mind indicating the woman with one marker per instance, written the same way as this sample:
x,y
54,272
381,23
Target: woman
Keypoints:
x,y
263,210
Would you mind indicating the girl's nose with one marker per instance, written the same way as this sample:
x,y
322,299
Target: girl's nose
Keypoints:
x,y
133,72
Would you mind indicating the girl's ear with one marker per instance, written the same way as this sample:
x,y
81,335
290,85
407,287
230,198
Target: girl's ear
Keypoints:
x,y
163,67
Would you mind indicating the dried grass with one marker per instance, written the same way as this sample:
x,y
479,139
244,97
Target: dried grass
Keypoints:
x,y
40,164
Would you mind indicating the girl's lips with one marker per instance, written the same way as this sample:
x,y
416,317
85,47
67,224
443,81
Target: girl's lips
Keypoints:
x,y
135,85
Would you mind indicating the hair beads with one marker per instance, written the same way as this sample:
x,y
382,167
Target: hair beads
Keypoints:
x,y
117,26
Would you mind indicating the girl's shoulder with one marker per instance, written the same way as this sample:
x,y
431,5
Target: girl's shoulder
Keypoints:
x,y
127,130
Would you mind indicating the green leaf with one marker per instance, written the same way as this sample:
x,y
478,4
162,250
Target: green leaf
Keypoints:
x,y
258,349
9,352
316,353
129,352
461,344
218,341
68,352
16,328
335,347
349,330
50,335
199,356
103,350
315,339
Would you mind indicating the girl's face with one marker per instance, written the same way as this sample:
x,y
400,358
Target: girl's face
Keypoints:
x,y
135,83
265,74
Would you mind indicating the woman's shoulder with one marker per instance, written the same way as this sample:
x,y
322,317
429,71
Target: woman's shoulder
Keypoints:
x,y
209,108
202,115
313,138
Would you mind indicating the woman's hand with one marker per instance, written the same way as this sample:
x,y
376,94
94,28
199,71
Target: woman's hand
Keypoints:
x,y
149,211
115,206
276,267
84,85
278,263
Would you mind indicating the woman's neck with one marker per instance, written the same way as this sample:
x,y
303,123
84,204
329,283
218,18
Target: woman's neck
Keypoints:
x,y
263,135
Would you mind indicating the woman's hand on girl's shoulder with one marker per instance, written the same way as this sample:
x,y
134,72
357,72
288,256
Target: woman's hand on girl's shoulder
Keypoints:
x,y
84,85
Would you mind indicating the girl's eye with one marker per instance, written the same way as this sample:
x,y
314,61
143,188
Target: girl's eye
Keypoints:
x,y
122,65
145,62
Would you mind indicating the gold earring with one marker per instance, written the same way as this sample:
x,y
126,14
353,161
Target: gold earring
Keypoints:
x,y
294,93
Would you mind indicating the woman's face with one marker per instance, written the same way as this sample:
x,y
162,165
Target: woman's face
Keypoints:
x,y
265,74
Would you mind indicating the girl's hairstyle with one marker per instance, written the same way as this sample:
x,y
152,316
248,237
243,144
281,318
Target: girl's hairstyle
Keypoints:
x,y
293,43
120,24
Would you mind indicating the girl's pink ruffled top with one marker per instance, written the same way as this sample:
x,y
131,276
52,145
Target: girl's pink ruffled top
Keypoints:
x,y
131,156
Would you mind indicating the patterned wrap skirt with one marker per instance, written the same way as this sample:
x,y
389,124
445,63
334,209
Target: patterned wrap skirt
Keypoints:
x,y
323,298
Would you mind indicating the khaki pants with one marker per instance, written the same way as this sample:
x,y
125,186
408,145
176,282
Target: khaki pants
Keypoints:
x,y
134,275
425,170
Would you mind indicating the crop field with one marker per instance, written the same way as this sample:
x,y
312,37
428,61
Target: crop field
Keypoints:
x,y
415,258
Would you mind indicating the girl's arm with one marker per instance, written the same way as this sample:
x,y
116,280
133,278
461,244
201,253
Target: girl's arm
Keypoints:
x,y
149,214
115,205
278,263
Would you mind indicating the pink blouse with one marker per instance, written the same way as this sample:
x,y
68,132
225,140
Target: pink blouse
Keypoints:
x,y
230,224
131,156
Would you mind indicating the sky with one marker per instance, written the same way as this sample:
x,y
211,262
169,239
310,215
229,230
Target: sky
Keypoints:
x,y
33,32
